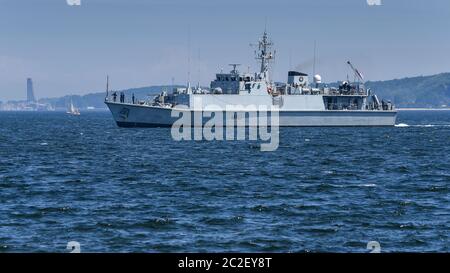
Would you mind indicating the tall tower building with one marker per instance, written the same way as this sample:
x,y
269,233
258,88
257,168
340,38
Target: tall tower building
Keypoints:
x,y
30,92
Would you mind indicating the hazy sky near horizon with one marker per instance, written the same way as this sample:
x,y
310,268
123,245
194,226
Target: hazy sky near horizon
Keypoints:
x,y
70,49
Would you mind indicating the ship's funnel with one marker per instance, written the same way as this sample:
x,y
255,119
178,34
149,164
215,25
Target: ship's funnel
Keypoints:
x,y
297,78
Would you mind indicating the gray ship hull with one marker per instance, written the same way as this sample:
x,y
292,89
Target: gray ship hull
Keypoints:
x,y
132,115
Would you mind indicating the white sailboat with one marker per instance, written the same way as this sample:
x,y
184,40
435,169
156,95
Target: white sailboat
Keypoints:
x,y
73,110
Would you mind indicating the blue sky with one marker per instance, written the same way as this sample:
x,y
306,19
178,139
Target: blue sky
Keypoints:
x,y
69,49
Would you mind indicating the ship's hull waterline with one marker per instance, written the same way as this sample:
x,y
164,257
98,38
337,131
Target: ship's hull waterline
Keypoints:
x,y
132,115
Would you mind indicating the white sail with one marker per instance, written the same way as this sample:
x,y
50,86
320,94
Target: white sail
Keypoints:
x,y
73,110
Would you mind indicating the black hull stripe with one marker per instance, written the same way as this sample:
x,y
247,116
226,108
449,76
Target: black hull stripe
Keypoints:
x,y
141,125
155,125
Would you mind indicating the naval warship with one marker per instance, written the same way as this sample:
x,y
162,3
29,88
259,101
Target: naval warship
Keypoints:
x,y
299,102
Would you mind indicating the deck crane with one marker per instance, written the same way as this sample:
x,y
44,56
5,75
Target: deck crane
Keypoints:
x,y
357,73
360,77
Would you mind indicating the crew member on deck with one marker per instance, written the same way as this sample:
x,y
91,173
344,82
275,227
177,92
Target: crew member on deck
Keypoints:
x,y
132,98
114,96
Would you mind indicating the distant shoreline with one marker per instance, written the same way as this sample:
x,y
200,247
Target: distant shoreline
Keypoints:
x,y
423,109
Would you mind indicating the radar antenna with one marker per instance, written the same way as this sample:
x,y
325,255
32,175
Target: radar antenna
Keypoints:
x,y
235,71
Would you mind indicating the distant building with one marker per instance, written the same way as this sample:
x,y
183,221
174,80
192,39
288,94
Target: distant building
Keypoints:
x,y
31,104
30,92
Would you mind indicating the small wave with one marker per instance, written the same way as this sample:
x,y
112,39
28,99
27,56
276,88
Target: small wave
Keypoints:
x,y
43,143
401,125
422,125
158,223
223,221
336,185
432,125
3,248
368,185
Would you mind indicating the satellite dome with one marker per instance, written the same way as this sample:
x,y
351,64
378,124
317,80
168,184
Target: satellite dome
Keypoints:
x,y
317,78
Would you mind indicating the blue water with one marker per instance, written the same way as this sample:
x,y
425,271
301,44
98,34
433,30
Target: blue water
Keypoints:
x,y
84,179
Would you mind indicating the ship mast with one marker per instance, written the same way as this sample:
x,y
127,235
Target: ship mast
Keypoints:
x,y
265,54
107,87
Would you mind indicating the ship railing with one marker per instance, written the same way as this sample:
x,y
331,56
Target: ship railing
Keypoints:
x,y
128,100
